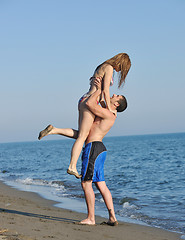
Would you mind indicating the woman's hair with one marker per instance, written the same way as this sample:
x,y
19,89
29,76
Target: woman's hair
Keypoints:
x,y
123,63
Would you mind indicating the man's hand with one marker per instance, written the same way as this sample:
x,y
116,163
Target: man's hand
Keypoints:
x,y
97,82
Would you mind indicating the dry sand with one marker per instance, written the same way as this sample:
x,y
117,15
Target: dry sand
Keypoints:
x,y
28,216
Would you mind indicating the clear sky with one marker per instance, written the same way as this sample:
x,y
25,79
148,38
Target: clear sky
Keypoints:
x,y
50,48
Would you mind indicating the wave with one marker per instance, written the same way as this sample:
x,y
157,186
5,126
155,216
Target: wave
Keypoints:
x,y
41,182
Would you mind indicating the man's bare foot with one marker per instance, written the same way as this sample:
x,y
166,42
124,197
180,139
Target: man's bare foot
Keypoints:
x,y
110,223
75,173
45,132
112,218
87,222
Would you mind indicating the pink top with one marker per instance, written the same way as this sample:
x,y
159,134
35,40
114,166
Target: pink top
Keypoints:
x,y
111,81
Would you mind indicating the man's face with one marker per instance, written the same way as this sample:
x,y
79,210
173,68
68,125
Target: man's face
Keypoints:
x,y
115,98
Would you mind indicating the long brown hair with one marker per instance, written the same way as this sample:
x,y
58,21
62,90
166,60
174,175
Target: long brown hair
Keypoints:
x,y
123,63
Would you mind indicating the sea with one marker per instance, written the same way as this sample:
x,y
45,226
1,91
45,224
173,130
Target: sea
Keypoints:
x,y
145,174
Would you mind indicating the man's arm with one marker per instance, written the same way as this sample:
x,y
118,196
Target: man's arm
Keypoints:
x,y
94,107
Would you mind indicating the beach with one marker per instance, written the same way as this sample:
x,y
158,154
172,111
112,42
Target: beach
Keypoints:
x,y
26,215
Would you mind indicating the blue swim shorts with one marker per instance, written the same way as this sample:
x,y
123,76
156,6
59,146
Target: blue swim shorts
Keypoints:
x,y
93,158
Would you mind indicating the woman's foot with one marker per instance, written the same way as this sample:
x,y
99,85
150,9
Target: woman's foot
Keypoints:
x,y
74,172
45,132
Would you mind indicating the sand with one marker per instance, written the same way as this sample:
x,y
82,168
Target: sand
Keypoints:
x,y
27,216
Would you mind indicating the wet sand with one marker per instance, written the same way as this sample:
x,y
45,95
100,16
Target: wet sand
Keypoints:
x,y
27,216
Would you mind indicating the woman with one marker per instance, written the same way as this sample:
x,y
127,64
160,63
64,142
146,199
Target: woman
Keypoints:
x,y
120,63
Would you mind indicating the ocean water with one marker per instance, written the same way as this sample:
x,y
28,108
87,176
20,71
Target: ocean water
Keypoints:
x,y
145,174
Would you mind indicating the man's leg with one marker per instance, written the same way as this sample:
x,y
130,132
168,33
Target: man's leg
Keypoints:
x,y
90,201
106,194
50,130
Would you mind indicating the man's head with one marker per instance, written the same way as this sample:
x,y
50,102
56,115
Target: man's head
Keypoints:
x,y
119,102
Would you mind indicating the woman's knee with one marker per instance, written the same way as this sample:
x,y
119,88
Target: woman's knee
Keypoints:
x,y
83,135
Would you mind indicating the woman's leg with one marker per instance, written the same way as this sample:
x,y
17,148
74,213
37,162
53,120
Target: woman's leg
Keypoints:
x,y
50,130
106,194
86,119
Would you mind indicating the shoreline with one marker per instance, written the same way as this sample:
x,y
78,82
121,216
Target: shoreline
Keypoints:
x,y
28,216
76,205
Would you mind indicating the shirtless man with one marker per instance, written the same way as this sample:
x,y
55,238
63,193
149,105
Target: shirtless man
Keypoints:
x,y
94,153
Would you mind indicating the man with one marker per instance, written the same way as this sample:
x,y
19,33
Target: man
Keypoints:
x,y
94,153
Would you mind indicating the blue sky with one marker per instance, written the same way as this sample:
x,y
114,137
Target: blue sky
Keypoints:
x,y
49,50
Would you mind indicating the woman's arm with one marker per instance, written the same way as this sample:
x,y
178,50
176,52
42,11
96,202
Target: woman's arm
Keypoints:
x,y
106,84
